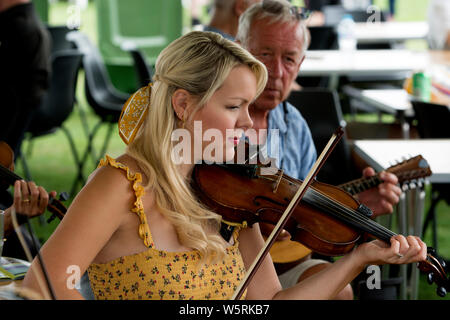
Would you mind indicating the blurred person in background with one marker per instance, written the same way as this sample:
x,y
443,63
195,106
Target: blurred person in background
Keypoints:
x,y
225,16
25,68
439,22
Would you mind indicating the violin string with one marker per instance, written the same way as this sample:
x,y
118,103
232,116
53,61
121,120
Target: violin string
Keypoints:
x,y
372,226
350,215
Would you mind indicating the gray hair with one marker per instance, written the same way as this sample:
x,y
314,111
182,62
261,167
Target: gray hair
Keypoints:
x,y
258,11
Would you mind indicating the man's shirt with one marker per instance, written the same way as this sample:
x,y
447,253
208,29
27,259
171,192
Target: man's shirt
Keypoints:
x,y
294,148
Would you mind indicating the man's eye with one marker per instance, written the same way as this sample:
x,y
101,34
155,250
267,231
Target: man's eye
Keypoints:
x,y
289,60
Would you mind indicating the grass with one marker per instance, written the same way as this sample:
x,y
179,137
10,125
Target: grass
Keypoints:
x,y
52,164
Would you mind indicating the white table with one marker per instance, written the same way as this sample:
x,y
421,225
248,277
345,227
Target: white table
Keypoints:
x,y
380,154
362,62
382,32
392,101
335,63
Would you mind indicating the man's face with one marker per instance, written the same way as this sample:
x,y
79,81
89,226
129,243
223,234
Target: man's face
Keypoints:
x,y
279,46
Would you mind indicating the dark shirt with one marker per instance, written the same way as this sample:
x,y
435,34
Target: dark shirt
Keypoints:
x,y
24,69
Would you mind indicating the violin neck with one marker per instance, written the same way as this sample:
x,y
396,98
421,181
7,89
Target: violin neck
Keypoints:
x,y
8,175
359,185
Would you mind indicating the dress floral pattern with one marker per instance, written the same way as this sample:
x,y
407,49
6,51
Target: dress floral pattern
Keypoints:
x,y
161,275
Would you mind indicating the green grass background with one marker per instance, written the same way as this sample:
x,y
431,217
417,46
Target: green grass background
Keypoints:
x,y
52,164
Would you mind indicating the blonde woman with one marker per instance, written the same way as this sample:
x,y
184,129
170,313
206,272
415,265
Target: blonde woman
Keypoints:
x,y
137,228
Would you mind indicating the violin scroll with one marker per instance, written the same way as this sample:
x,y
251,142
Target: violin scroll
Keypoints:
x,y
436,269
56,207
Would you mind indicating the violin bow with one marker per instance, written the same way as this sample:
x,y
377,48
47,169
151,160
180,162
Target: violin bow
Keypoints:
x,y
334,140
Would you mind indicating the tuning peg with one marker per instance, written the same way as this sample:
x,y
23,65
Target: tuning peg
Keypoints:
x,y
63,196
442,262
52,217
441,292
430,278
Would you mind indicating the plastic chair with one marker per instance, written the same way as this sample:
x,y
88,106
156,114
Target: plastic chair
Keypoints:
x,y
432,123
151,25
322,112
102,96
58,35
142,69
58,102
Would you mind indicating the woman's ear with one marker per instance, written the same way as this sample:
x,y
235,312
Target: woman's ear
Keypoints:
x,y
181,101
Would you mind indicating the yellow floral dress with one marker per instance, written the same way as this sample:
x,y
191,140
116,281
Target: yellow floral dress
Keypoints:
x,y
158,274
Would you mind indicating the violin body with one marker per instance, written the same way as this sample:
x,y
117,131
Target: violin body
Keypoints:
x,y
255,201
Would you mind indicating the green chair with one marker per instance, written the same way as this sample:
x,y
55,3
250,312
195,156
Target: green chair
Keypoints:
x,y
148,25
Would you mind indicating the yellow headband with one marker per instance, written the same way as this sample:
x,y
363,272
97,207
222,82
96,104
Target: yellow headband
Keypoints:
x,y
133,113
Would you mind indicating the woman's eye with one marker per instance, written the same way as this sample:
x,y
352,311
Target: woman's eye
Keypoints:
x,y
233,107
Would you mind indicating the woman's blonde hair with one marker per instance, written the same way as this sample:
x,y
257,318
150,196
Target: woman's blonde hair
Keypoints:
x,y
198,62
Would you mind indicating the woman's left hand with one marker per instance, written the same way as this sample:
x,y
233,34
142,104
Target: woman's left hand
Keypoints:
x,y
402,250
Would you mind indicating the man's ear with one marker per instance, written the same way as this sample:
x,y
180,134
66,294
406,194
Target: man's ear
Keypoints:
x,y
301,62
181,101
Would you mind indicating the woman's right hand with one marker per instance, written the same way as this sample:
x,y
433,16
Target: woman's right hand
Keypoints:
x,y
402,250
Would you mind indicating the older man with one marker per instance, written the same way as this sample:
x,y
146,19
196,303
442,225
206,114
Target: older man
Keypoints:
x,y
275,33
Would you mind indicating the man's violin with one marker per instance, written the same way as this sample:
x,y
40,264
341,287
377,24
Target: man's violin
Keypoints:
x,y
328,220
8,177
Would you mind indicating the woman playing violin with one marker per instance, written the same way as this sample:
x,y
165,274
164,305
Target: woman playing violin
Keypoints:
x,y
137,227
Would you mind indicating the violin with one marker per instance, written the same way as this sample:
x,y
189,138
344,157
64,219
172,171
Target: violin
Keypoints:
x,y
8,178
327,220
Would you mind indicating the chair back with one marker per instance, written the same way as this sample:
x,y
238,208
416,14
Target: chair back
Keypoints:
x,y
57,104
142,69
101,95
432,119
322,111
58,35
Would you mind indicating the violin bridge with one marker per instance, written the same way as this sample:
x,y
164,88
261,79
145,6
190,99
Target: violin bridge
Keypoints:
x,y
277,183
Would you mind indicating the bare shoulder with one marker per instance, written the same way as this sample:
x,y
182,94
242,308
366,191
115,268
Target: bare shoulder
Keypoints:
x,y
108,191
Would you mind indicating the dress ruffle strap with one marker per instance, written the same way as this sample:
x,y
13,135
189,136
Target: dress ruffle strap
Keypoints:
x,y
138,208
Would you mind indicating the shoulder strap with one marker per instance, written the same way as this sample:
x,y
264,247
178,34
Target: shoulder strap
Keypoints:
x,y
138,207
